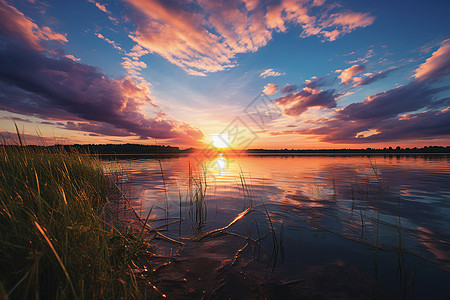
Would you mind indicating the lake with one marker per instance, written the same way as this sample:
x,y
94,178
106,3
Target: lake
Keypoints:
x,y
305,226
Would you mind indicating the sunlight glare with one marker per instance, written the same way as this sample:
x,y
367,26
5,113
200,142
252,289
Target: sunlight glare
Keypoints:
x,y
221,141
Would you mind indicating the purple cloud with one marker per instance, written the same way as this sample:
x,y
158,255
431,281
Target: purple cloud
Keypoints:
x,y
372,78
388,104
61,89
396,114
288,88
297,103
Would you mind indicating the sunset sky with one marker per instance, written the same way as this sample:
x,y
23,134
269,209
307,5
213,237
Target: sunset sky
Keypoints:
x,y
335,73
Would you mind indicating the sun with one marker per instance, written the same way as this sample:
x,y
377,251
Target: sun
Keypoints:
x,y
221,141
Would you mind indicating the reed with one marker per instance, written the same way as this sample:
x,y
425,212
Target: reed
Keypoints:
x,y
53,241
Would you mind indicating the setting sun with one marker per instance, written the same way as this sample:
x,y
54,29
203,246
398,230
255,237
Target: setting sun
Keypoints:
x,y
221,141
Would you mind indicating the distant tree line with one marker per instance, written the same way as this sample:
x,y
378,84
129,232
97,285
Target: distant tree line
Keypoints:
x,y
130,149
113,148
396,150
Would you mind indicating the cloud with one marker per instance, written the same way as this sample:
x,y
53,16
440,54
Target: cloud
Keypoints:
x,y
369,78
316,82
34,84
131,62
102,7
297,103
288,88
270,89
206,36
413,111
318,2
179,34
70,56
270,73
402,99
133,66
324,24
112,43
16,26
437,66
435,123
11,138
425,125
137,51
347,74
348,21
384,117
99,6
369,54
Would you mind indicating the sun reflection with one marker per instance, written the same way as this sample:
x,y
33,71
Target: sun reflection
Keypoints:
x,y
221,163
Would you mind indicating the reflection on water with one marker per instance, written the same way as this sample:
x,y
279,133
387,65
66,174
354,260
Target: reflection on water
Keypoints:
x,y
311,219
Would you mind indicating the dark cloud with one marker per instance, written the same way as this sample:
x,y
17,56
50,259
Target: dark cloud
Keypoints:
x,y
38,80
316,82
403,99
372,78
382,117
96,127
426,124
61,89
429,124
297,103
397,114
288,88
14,119
9,137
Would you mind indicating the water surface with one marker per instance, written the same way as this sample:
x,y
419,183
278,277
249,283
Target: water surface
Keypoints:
x,y
315,226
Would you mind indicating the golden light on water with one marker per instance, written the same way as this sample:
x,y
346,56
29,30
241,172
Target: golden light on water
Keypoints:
x,y
221,163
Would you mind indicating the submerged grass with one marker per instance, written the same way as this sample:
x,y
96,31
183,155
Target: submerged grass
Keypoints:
x,y
53,241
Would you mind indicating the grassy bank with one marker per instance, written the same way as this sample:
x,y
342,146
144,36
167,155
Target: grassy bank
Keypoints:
x,y
53,242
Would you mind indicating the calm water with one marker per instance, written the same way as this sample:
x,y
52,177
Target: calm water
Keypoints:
x,y
343,226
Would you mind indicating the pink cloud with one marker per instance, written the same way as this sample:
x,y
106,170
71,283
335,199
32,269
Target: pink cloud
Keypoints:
x,y
318,2
369,77
132,64
178,35
274,17
112,43
251,4
437,66
103,8
240,31
346,22
328,25
137,51
270,89
208,38
70,56
16,25
347,74
270,73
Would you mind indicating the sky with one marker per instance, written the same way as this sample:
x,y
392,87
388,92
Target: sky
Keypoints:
x,y
273,74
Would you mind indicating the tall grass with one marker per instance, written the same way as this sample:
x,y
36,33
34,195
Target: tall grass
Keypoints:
x,y
53,242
